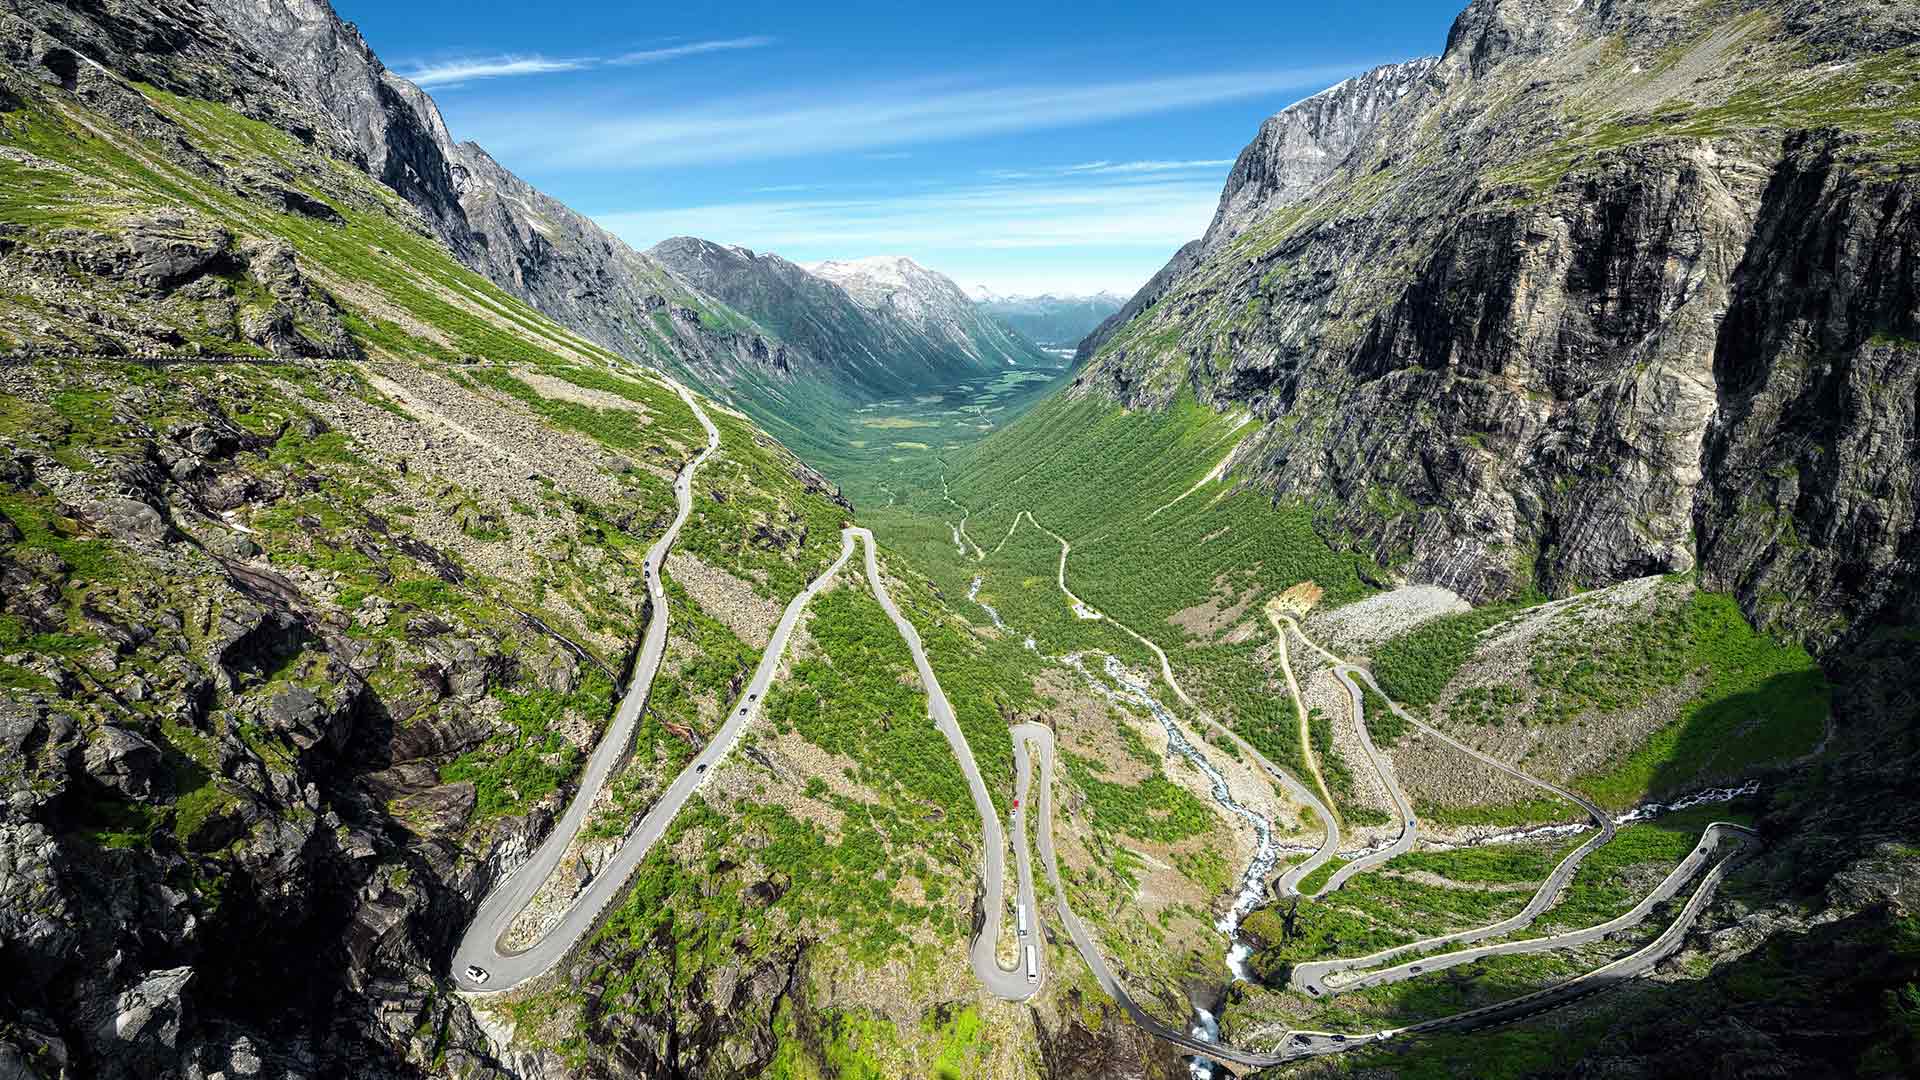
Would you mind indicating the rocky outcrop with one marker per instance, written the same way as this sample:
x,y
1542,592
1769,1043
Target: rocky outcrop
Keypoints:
x,y
200,275
1299,147
1505,342
1095,1040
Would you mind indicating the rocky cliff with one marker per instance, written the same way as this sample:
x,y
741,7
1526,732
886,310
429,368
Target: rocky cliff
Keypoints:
x,y
1298,147
1603,291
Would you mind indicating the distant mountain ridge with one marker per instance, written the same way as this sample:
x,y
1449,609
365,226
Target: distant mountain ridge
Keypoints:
x,y
872,332
1060,321
896,287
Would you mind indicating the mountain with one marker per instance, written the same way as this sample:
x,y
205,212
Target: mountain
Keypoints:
x,y
1054,321
1294,152
899,289
545,253
324,531
866,349
1570,304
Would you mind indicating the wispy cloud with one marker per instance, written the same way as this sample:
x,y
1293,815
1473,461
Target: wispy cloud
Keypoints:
x,y
1146,166
453,72
593,135
1067,215
696,48
1109,168
469,69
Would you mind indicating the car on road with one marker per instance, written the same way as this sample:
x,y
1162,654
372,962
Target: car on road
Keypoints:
x,y
1339,1038
753,697
476,973
700,768
1414,970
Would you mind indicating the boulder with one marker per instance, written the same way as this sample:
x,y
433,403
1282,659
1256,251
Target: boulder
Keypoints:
x,y
243,1059
30,1051
35,921
168,250
130,521
122,760
141,1032
298,714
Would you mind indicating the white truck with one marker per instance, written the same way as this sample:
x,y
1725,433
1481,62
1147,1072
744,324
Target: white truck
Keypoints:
x,y
1020,918
1033,965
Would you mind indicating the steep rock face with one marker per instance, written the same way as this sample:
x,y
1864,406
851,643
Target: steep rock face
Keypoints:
x,y
1810,462
1300,145
327,63
1577,311
897,288
1296,150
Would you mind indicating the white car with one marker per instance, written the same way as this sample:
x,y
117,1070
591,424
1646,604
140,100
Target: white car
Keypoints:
x,y
477,974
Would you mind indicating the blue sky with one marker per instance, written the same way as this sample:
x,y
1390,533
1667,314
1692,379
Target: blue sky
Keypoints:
x,y
1023,146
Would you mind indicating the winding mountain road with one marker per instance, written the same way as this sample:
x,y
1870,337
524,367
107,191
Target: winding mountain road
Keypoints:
x,y
505,969
1312,978
480,948
1289,882
1008,983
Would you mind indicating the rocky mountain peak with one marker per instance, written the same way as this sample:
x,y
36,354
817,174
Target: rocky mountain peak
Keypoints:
x,y
391,123
894,282
931,304
1299,146
1490,31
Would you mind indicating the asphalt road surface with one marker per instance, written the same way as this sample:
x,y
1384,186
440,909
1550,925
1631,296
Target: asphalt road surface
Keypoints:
x,y
480,947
